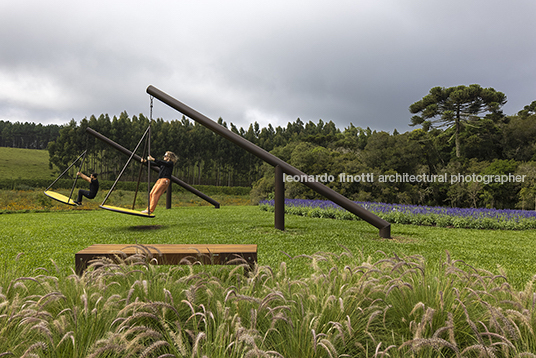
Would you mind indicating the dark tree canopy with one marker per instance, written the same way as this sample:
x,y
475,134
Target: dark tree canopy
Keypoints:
x,y
456,106
491,144
528,110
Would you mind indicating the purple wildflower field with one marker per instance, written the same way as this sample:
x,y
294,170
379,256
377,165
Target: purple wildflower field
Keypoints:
x,y
433,215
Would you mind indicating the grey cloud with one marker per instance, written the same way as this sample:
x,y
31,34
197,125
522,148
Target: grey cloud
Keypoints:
x,y
357,62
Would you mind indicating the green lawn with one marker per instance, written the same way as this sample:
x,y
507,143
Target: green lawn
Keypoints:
x,y
59,235
16,163
366,306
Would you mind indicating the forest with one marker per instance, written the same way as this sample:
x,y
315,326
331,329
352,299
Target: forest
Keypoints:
x,y
449,143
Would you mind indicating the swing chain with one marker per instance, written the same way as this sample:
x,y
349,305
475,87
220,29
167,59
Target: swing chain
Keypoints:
x,y
151,111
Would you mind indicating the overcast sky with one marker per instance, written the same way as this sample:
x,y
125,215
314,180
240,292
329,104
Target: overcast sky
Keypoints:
x,y
360,62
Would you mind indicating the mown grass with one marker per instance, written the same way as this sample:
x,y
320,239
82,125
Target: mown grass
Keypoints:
x,y
323,288
17,163
59,235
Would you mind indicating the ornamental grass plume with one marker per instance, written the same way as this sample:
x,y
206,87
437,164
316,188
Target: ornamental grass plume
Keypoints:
x,y
350,305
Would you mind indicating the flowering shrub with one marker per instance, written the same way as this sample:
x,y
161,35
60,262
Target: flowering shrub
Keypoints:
x,y
480,218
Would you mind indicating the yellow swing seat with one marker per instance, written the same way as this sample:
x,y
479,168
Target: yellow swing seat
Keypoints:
x,y
118,209
60,197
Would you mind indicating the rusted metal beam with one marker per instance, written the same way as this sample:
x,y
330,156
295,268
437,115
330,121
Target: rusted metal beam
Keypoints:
x,y
382,225
279,200
155,168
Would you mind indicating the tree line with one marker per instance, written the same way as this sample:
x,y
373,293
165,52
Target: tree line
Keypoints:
x,y
464,135
27,135
463,132
205,158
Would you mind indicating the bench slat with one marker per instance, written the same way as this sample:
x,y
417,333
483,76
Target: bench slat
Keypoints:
x,y
169,254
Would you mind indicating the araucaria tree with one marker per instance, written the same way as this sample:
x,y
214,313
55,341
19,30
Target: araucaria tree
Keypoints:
x,y
455,106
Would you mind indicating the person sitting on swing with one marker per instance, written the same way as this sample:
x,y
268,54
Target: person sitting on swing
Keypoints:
x,y
93,187
164,178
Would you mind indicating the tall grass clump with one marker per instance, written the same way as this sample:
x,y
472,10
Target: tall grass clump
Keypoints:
x,y
348,306
468,218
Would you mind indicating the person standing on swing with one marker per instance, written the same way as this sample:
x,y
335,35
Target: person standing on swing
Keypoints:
x,y
164,178
93,187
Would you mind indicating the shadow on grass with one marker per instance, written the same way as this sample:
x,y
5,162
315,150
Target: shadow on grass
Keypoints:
x,y
146,227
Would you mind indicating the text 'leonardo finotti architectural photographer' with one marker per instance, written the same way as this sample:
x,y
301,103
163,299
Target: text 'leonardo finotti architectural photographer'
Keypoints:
x,y
405,178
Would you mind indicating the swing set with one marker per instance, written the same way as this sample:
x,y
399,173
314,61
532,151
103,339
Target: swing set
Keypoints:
x,y
147,148
60,197
147,137
69,200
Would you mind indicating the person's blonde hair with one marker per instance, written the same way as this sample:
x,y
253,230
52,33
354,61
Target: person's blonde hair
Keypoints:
x,y
172,156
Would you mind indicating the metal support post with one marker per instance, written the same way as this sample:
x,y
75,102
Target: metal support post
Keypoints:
x,y
168,196
279,200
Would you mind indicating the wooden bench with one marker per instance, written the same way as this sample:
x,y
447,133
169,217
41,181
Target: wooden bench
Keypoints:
x,y
170,254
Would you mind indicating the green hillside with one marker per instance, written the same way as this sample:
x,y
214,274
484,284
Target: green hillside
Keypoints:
x,y
18,163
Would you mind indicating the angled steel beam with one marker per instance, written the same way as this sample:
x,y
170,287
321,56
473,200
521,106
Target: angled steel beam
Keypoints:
x,y
156,168
382,225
